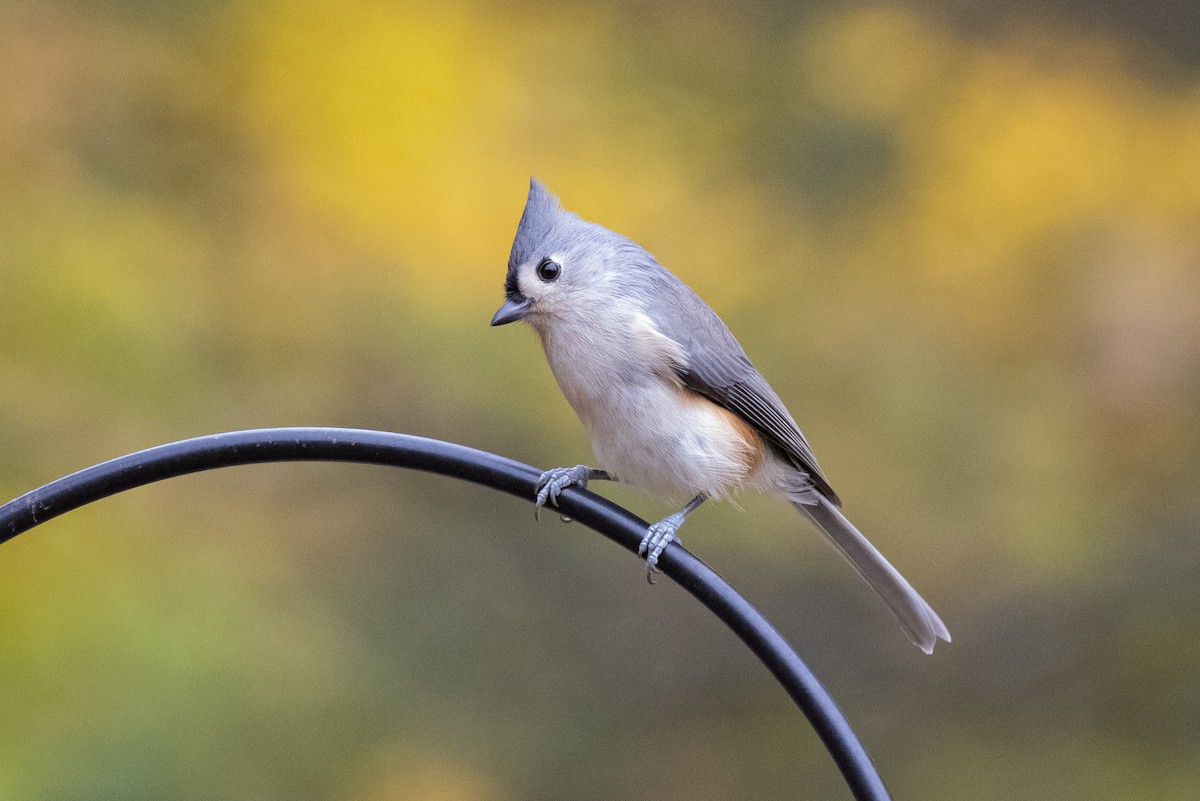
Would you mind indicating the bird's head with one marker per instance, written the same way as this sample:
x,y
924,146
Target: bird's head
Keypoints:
x,y
561,265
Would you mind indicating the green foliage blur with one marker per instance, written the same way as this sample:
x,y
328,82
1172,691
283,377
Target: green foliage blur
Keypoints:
x,y
963,244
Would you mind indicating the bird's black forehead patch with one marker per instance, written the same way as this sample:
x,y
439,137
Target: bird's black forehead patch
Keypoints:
x,y
511,290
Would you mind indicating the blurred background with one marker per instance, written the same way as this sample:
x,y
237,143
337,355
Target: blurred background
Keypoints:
x,y
961,239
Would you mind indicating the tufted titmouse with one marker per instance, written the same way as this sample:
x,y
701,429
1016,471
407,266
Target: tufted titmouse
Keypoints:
x,y
668,396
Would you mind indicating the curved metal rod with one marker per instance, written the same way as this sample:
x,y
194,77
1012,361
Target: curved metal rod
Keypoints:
x,y
480,467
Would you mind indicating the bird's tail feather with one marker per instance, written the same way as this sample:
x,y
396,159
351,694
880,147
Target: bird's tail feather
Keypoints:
x,y
919,621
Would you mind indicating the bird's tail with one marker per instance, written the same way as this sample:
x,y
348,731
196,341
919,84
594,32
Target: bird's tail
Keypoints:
x,y
920,622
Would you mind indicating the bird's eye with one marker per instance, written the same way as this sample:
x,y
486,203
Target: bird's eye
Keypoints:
x,y
548,270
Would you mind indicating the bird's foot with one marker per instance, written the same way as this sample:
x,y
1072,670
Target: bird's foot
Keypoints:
x,y
658,536
553,482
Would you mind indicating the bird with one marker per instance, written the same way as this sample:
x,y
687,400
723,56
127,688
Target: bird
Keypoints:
x,y
670,400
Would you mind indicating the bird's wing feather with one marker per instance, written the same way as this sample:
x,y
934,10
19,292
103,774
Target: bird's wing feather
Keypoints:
x,y
717,367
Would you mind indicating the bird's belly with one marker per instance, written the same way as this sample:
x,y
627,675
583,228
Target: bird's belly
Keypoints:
x,y
648,430
672,442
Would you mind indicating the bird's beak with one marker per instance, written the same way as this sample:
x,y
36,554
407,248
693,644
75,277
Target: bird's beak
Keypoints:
x,y
513,309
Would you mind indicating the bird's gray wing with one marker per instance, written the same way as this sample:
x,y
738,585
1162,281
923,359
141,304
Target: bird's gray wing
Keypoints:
x,y
717,367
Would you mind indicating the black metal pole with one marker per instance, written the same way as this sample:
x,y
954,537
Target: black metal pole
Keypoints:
x,y
480,467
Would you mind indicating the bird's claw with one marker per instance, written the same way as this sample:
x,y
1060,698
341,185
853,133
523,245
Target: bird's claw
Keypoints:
x,y
553,482
658,536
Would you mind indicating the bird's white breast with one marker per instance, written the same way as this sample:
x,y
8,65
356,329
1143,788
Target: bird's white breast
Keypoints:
x,y
646,428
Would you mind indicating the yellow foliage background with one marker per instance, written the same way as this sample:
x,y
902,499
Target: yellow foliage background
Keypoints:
x,y
963,244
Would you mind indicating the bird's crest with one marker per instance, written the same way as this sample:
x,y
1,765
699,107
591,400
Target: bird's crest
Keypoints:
x,y
541,210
